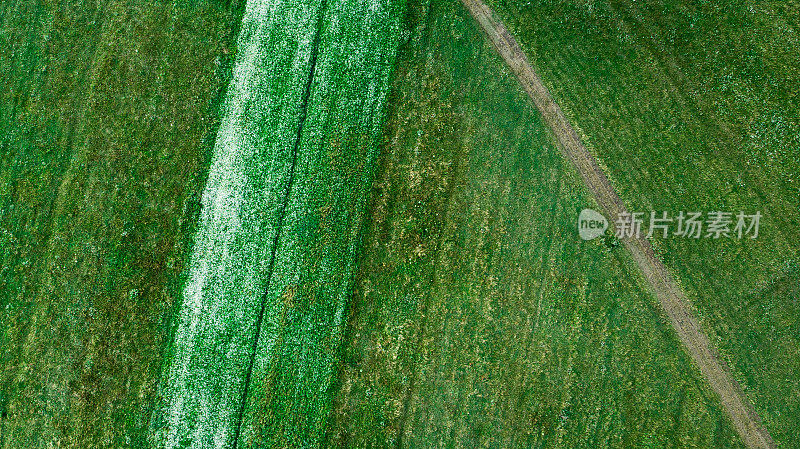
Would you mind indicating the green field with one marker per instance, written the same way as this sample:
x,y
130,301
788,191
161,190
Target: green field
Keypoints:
x,y
480,319
107,118
691,107
260,325
342,223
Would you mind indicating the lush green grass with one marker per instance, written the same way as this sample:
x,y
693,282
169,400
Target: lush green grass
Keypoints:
x,y
114,232
271,271
106,122
305,305
479,318
694,107
243,205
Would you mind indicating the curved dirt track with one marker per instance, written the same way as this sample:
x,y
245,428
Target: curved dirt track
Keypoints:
x,y
672,299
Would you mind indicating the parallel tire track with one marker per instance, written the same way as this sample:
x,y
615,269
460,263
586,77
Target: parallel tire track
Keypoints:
x,y
672,299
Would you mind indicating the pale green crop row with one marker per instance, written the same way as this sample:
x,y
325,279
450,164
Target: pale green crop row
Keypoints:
x,y
256,344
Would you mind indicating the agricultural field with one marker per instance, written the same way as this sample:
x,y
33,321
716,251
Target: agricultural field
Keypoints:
x,y
693,107
344,223
107,120
479,318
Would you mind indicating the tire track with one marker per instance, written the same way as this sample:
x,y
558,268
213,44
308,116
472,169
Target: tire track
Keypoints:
x,y
281,218
242,210
672,299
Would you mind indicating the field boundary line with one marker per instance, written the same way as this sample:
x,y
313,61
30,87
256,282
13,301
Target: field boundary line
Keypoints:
x,y
672,299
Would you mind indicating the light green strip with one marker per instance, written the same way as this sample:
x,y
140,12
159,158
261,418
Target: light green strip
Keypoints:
x,y
241,202
297,357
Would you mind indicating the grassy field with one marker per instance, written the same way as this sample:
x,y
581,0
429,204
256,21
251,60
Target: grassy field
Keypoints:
x,y
479,318
297,352
272,266
355,246
691,107
107,120
242,211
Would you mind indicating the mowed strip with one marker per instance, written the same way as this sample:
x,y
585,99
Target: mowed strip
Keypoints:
x,y
256,344
674,302
242,206
304,311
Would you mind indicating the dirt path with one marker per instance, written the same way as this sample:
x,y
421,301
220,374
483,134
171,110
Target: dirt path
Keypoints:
x,y
672,299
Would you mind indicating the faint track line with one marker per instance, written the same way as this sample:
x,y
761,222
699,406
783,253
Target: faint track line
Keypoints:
x,y
281,217
672,299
